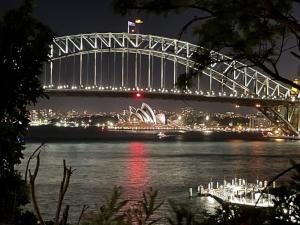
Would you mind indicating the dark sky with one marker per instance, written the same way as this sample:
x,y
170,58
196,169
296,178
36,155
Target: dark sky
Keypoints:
x,y
67,17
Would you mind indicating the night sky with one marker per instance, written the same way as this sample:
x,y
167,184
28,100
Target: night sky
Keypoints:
x,y
67,17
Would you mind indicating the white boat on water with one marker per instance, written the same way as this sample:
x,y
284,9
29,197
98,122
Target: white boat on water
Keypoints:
x,y
161,135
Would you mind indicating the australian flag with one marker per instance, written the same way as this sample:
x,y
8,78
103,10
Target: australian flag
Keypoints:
x,y
131,27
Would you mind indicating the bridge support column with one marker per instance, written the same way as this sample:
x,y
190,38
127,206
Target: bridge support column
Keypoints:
x,y
198,81
114,79
135,71
45,74
101,70
80,70
161,72
292,115
122,82
51,73
73,71
51,65
95,69
187,70
210,80
149,71
59,72
175,73
140,69
286,117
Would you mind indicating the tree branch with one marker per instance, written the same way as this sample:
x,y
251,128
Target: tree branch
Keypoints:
x,y
289,48
273,74
296,55
280,18
277,177
281,48
32,190
150,7
188,24
63,189
30,157
64,218
297,1
84,208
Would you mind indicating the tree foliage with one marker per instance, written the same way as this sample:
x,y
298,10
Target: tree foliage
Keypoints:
x,y
24,46
116,211
257,32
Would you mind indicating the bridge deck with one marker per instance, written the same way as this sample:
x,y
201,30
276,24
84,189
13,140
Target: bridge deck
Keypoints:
x,y
242,101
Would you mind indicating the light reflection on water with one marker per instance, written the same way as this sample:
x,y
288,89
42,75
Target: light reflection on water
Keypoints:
x,y
138,177
170,167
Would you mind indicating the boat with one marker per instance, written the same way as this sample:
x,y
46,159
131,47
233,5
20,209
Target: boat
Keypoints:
x,y
161,135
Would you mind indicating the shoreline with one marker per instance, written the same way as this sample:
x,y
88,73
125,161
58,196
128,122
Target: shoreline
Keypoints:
x,y
95,134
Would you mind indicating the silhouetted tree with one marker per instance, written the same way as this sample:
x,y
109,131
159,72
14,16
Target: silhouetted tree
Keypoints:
x,y
24,46
257,32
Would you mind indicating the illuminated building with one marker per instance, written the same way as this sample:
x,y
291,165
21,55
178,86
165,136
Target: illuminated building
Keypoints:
x,y
146,115
143,118
295,91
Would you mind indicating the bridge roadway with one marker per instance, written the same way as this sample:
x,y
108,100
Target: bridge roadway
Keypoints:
x,y
241,101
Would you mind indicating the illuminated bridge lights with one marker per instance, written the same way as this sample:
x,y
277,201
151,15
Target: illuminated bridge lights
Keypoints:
x,y
174,91
159,90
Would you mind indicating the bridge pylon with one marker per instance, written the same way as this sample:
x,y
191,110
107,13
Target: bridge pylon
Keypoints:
x,y
286,117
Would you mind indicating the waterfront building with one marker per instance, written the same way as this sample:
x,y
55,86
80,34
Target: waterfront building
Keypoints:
x,y
146,114
143,118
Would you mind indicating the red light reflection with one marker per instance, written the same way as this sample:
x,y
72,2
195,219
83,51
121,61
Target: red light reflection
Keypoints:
x,y
137,177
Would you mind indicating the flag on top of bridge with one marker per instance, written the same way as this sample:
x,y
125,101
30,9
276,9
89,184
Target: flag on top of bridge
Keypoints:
x,y
131,27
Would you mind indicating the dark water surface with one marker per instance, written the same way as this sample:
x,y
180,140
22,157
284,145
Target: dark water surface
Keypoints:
x,y
170,167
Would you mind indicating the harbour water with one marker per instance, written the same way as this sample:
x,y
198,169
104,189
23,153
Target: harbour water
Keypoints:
x,y
170,167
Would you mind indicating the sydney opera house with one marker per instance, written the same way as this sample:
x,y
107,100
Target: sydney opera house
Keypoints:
x,y
142,118
146,115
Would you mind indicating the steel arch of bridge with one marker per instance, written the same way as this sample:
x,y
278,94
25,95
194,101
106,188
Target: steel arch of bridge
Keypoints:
x,y
241,81
232,74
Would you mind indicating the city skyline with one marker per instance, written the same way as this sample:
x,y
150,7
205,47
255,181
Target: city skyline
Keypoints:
x,y
186,116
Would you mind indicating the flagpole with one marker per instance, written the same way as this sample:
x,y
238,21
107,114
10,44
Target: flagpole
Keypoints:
x,y
131,24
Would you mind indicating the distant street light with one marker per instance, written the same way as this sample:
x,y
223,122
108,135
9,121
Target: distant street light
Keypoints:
x,y
139,21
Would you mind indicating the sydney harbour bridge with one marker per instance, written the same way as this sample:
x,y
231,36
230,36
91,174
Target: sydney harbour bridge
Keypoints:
x,y
137,65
